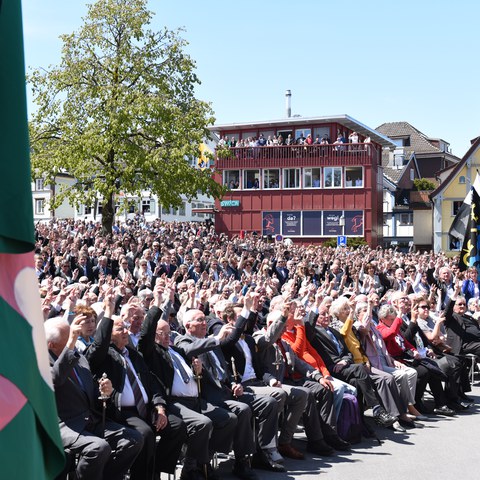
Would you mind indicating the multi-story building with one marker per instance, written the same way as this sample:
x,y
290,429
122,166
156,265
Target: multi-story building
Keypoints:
x,y
305,191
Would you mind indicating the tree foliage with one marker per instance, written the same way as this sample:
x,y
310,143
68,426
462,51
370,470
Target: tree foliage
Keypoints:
x,y
119,113
421,184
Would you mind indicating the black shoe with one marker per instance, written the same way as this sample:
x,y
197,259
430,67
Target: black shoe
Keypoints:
x,y
195,474
263,460
384,419
422,408
444,410
458,406
466,399
320,447
211,473
243,470
337,443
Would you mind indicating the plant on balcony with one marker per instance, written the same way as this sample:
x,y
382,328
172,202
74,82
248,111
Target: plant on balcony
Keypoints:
x,y
423,184
224,152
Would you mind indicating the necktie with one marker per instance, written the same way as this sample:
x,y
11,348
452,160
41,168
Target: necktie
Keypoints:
x,y
178,364
218,371
137,393
335,341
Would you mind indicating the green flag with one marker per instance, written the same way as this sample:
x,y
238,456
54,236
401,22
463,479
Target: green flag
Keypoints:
x,y
30,445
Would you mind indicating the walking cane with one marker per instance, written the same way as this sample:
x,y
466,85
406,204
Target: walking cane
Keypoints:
x,y
103,399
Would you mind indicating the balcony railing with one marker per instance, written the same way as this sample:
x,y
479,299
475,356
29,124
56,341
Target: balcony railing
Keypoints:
x,y
297,156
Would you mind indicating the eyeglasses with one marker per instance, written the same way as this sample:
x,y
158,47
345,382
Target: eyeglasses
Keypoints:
x,y
461,304
424,306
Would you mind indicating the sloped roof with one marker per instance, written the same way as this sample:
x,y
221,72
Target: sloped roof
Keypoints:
x,y
419,142
456,168
394,174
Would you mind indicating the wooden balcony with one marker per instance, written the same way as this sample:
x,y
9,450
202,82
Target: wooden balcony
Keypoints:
x,y
297,156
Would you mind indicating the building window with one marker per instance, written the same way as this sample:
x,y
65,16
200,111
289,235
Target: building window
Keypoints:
x,y
353,177
39,184
231,179
291,178
455,244
271,179
311,177
99,209
182,210
302,131
39,206
456,204
406,219
248,135
332,177
88,210
251,179
461,179
148,206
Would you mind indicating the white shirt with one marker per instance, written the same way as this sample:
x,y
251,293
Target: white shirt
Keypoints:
x,y
179,387
249,372
127,399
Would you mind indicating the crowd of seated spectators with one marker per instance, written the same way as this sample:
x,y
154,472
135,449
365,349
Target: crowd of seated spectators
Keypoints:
x,y
187,335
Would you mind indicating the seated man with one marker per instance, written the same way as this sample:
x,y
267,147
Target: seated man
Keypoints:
x,y
104,450
285,370
137,400
224,391
207,426
331,346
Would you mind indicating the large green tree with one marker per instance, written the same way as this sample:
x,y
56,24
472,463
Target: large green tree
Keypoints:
x,y
119,113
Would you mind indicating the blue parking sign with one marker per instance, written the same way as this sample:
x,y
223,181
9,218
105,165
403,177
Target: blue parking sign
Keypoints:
x,y
341,241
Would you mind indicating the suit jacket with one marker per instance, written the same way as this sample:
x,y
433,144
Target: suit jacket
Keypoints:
x,y
76,402
157,358
169,271
279,365
325,346
461,329
103,356
233,349
215,389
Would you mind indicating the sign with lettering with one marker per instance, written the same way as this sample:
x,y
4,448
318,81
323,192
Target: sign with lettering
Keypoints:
x,y
331,223
230,203
291,224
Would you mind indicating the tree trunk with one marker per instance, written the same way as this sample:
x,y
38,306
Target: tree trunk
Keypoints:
x,y
108,215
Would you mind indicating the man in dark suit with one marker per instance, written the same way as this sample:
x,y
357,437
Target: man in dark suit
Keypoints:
x,y
331,346
166,267
286,370
224,391
84,267
101,268
180,388
281,270
104,450
137,394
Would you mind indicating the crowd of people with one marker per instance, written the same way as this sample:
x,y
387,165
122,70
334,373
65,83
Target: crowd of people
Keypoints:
x,y
279,140
169,342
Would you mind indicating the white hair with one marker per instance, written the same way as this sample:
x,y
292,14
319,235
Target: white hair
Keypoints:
x,y
53,328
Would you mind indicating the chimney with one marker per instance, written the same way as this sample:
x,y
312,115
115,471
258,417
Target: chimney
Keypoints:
x,y
288,103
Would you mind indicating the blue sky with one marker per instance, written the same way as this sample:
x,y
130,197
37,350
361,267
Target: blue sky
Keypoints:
x,y
377,61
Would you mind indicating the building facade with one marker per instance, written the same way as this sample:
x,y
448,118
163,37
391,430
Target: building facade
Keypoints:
x,y
301,187
449,196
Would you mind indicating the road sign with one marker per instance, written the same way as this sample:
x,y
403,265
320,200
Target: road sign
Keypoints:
x,y
278,238
341,241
